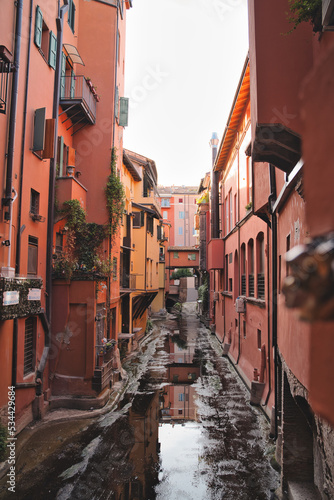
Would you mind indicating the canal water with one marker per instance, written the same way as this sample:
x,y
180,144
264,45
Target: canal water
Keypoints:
x,y
183,430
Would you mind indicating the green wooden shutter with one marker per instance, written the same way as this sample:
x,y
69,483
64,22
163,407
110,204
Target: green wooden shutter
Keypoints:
x,y
38,27
71,14
116,102
123,112
61,155
52,50
72,92
62,75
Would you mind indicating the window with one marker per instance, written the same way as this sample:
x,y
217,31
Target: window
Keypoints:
x,y
288,246
230,285
191,256
138,219
29,346
181,215
259,342
44,39
244,328
249,179
32,255
150,225
180,231
181,397
231,209
123,111
59,242
226,216
176,255
260,265
71,14
251,268
114,268
165,202
243,269
180,200
226,272
235,209
34,202
165,214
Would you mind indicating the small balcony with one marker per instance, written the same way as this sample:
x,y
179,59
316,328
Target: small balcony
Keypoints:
x,y
78,99
20,297
216,254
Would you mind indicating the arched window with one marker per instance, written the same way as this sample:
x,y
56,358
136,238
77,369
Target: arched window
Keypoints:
x,y
260,264
243,268
251,268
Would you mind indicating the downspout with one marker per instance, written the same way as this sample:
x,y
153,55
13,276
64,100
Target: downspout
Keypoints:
x,y
239,276
268,305
112,149
8,200
272,199
46,320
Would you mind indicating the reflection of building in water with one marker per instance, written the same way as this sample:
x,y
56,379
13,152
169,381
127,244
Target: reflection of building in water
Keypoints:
x,y
177,400
143,456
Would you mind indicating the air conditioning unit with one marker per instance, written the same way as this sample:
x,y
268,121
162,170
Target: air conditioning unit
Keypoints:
x,y
240,305
215,295
328,15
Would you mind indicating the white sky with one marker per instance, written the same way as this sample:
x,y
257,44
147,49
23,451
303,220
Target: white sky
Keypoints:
x,y
183,63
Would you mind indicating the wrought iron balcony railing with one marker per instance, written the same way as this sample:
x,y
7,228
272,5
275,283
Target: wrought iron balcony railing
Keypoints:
x,y
78,99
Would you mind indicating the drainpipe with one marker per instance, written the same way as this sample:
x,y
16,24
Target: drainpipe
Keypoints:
x,y
239,274
272,199
46,321
269,325
8,200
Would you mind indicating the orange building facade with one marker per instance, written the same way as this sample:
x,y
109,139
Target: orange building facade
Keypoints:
x,y
269,249
56,139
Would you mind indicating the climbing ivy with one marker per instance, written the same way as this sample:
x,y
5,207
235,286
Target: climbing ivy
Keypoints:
x,y
83,241
115,196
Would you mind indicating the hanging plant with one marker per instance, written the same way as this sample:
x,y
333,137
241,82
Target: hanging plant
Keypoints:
x,y
115,196
304,11
83,241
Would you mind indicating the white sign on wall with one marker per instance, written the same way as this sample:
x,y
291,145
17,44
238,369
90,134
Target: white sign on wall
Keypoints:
x,y
34,294
11,298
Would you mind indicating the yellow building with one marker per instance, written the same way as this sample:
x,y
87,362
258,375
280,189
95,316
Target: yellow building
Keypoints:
x,y
142,262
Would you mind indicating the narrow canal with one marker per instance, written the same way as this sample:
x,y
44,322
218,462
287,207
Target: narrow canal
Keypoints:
x,y
183,430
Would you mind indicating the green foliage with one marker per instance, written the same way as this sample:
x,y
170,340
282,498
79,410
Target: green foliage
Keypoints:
x,y
115,197
203,293
183,272
303,11
149,326
3,442
249,206
83,241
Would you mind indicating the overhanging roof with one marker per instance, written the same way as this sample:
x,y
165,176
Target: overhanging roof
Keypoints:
x,y
131,167
240,101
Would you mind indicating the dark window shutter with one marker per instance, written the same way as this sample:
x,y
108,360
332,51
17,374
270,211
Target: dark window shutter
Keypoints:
x,y
39,130
142,219
52,50
72,17
124,111
62,76
38,27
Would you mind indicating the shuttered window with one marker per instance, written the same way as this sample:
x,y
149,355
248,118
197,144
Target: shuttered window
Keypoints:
x,y
29,338
52,50
38,27
62,75
71,14
123,111
116,102
32,255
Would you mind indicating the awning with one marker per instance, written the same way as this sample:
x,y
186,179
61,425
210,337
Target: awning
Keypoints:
x,y
73,54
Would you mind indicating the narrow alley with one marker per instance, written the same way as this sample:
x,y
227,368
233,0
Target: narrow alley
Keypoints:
x,y
184,429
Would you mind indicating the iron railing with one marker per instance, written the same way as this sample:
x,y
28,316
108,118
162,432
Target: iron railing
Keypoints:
x,y
75,89
251,285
